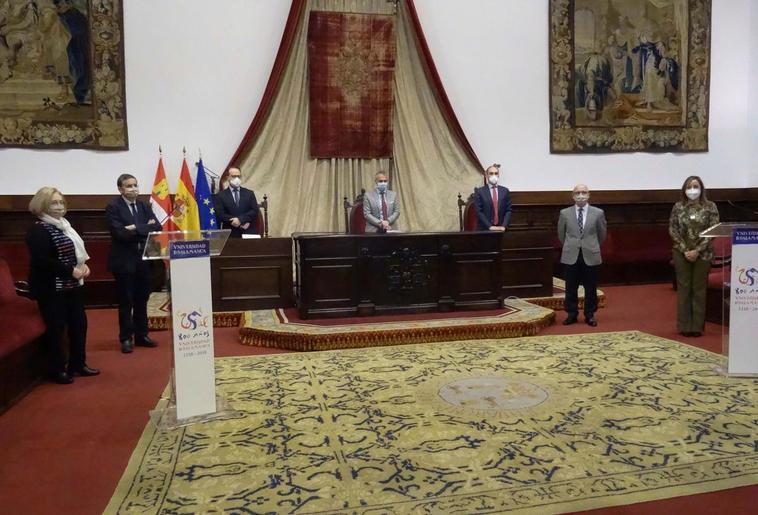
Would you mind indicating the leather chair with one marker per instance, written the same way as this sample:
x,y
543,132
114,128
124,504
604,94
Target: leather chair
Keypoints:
x,y
355,223
467,213
21,354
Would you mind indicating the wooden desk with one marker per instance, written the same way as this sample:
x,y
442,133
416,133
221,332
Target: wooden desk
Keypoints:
x,y
253,274
340,275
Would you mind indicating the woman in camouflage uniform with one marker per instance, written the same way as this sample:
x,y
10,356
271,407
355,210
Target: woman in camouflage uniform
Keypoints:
x,y
690,216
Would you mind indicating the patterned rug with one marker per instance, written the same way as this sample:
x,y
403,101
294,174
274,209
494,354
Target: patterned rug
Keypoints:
x,y
272,328
559,293
525,425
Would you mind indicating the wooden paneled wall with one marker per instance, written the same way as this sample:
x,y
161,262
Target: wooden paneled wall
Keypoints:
x,y
626,211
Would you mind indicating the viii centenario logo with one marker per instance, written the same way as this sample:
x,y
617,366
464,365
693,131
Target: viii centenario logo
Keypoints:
x,y
747,276
192,320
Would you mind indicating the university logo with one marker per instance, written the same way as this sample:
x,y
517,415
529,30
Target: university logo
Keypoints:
x,y
747,276
193,320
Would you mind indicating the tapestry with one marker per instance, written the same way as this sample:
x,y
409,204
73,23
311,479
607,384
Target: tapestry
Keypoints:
x,y
629,76
62,74
351,69
526,425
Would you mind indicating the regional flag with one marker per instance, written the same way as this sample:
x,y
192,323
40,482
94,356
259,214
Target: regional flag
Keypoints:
x,y
160,200
185,214
204,200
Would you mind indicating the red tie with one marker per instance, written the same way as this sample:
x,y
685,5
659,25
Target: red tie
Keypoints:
x,y
384,208
495,218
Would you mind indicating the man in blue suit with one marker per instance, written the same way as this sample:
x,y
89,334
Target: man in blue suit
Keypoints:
x,y
237,207
493,203
130,220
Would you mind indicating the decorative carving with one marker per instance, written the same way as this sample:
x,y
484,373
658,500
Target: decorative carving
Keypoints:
x,y
407,271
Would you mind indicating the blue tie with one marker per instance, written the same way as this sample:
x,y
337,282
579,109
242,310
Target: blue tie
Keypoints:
x,y
236,195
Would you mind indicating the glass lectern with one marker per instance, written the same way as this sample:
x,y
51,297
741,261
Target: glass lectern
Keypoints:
x,y
192,393
737,317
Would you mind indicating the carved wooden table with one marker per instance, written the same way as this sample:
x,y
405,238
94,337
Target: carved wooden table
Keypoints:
x,y
339,275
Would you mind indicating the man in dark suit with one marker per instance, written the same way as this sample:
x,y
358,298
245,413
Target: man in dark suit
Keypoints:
x,y
487,197
237,207
581,229
130,220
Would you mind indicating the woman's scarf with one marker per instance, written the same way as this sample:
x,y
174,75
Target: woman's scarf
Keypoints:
x,y
65,227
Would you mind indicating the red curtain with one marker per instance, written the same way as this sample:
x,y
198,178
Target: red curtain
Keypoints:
x,y
351,68
297,10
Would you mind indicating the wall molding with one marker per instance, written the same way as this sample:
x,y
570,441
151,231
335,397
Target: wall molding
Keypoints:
x,y
98,202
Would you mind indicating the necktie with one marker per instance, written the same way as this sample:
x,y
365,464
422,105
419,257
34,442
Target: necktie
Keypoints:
x,y
133,208
384,208
580,219
236,195
495,217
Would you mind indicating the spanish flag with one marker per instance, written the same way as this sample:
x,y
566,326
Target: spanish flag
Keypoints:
x,y
160,200
186,216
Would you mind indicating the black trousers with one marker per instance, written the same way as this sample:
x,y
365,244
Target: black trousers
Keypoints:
x,y
60,311
133,291
586,275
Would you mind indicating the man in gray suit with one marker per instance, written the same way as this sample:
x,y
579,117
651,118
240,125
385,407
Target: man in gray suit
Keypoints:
x,y
581,229
381,208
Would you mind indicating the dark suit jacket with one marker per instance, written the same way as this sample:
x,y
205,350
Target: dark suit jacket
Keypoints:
x,y
127,246
483,202
45,265
246,211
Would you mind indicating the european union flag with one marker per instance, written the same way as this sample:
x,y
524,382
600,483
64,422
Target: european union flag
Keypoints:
x,y
204,200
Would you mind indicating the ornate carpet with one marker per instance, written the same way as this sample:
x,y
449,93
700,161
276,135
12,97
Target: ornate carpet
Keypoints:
x,y
271,328
559,293
525,425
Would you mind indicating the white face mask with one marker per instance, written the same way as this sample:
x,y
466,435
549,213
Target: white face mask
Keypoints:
x,y
693,193
492,179
131,192
581,197
56,209
381,186
235,182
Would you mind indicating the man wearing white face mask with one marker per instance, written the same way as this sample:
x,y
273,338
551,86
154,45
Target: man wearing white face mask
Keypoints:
x,y
381,208
237,207
492,202
130,220
581,229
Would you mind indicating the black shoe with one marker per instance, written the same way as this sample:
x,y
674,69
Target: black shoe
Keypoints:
x,y
145,341
591,322
696,334
126,346
569,321
63,378
85,371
